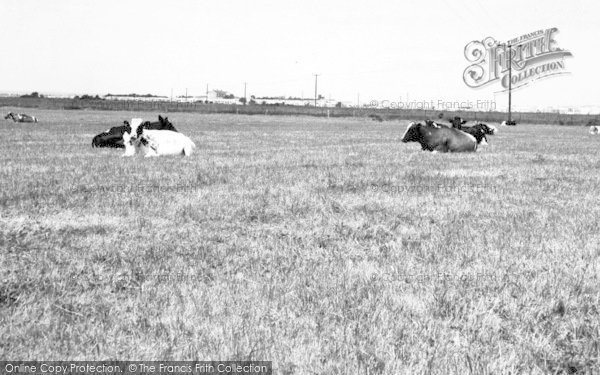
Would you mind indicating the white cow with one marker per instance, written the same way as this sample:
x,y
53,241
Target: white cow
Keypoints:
x,y
157,143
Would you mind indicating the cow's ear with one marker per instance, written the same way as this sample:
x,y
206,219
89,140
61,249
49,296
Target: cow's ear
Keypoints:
x,y
160,118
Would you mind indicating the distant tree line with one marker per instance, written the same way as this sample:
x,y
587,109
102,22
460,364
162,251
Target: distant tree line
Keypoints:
x,y
282,97
135,95
88,97
34,94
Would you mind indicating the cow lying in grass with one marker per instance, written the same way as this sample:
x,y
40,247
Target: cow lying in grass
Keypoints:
x,y
113,137
479,131
442,139
20,117
158,143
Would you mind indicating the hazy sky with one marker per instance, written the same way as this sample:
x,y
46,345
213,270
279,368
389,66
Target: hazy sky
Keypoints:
x,y
385,50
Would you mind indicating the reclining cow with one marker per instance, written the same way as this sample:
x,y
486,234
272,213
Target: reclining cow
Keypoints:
x,y
442,139
20,117
479,131
158,143
113,137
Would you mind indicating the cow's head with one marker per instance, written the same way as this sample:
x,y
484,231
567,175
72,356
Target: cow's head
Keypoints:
x,y
412,133
457,122
134,125
130,143
487,129
165,123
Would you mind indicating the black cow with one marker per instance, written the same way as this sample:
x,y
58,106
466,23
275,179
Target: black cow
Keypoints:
x,y
442,139
161,124
114,136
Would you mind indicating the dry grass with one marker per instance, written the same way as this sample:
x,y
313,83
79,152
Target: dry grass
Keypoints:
x,y
325,246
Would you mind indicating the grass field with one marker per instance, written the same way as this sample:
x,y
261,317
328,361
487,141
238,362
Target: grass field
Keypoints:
x,y
324,245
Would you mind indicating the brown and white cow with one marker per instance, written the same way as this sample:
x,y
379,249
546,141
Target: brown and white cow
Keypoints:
x,y
442,139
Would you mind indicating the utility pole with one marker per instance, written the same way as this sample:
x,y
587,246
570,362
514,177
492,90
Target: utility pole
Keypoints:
x,y
509,83
207,92
509,46
245,99
316,75
186,97
171,94
358,100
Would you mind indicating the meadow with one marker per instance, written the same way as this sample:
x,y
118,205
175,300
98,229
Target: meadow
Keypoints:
x,y
324,245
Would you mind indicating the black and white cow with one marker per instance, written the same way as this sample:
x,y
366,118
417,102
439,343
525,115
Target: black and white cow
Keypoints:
x,y
158,143
479,131
594,129
487,129
113,137
442,139
161,124
20,117
457,122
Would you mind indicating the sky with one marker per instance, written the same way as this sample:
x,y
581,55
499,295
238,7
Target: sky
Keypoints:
x,y
386,51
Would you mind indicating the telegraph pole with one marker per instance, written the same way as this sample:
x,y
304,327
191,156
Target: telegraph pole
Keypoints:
x,y
316,75
245,99
509,83
509,46
207,92
186,97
